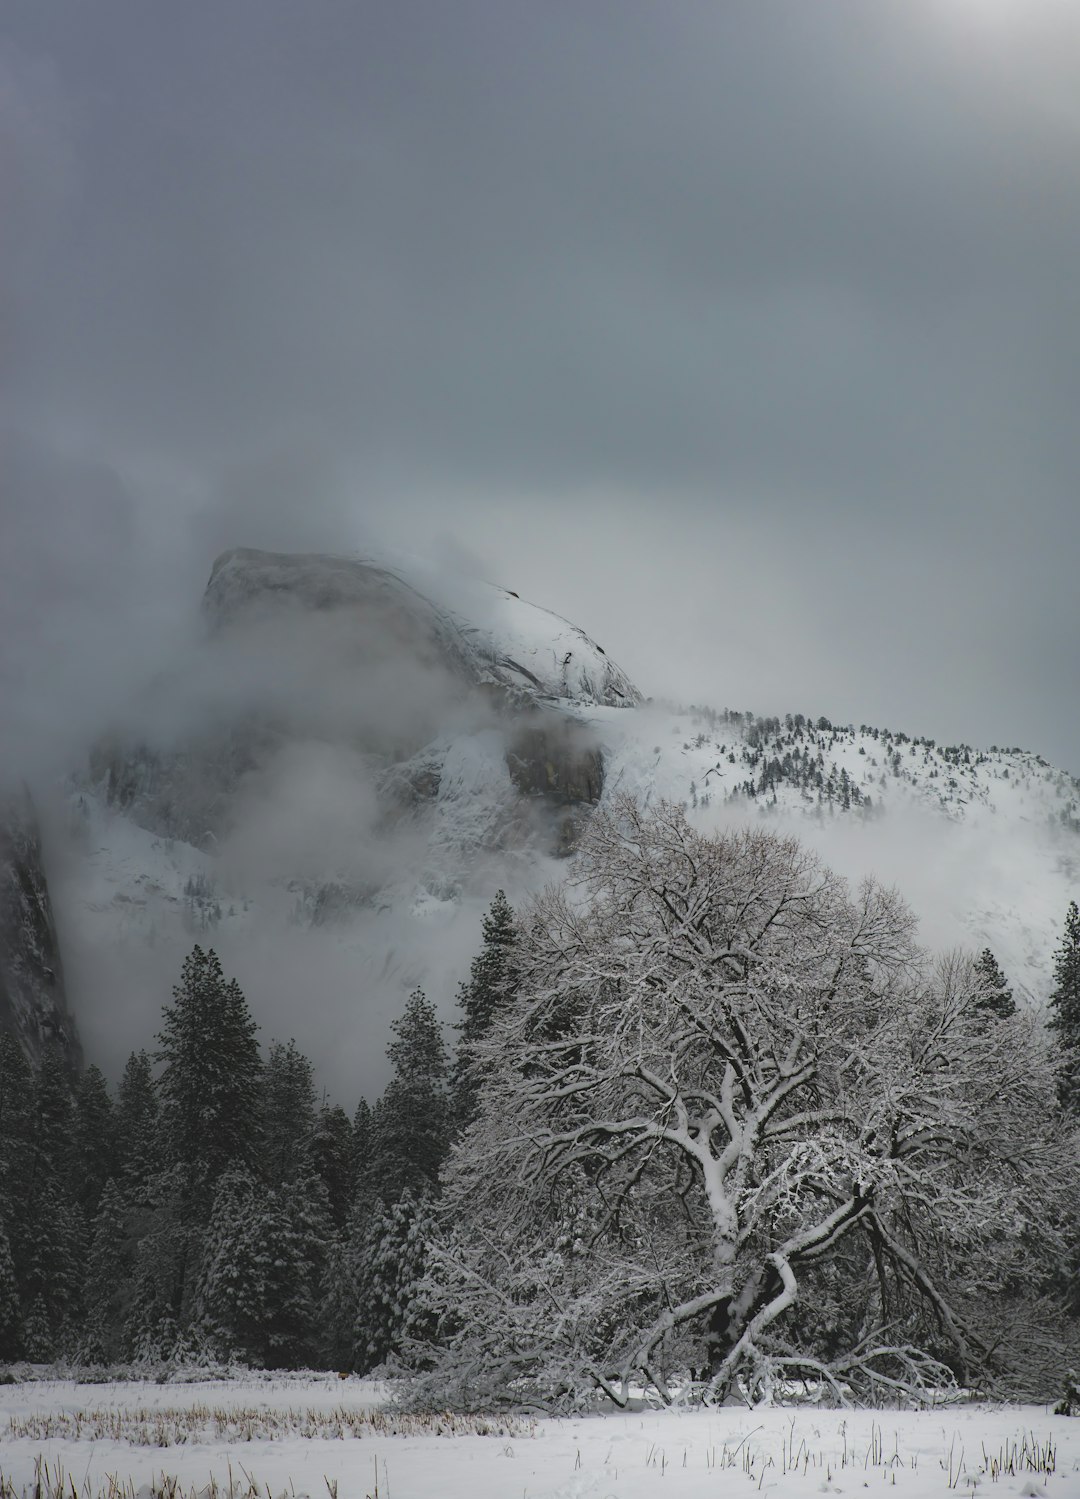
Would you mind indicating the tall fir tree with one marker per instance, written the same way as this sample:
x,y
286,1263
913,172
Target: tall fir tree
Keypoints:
x,y
210,1081
410,1130
262,1270
393,1260
288,1113
331,1156
18,1157
996,998
1065,1011
491,984
10,1306
138,1155
107,1287
95,1139
54,1272
361,1141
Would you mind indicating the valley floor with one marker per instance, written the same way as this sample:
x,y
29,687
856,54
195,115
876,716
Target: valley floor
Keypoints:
x,y
336,1439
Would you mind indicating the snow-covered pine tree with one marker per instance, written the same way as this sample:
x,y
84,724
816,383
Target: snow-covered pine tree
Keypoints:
x,y
394,1262
361,1142
38,1338
95,1139
338,1294
288,1112
410,1131
17,1155
168,1241
491,984
108,1282
1065,1011
331,1156
138,1153
997,997
209,1085
262,1267
57,1226
10,1306
230,1301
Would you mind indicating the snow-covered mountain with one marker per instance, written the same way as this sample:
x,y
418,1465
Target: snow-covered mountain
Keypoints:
x,y
332,786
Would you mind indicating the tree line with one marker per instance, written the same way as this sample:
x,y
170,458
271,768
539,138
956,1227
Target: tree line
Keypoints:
x,y
214,1206
710,1116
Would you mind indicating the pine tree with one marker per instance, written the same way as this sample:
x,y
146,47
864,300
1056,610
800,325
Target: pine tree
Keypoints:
x,y
95,1139
107,1286
331,1156
393,1262
138,1155
210,1082
288,1112
57,1227
17,1154
1065,1007
39,1344
9,1301
411,1123
168,1241
997,997
492,983
361,1141
263,1264
338,1296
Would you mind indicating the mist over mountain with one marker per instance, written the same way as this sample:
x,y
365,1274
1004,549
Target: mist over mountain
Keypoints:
x,y
330,778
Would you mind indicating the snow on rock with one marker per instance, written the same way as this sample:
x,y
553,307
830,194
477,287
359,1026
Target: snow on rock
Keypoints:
x,y
389,744
487,634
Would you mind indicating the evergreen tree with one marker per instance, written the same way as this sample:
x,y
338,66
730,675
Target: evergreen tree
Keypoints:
x,y
168,1239
338,1296
263,1265
107,1286
491,984
210,1081
997,997
411,1124
361,1141
95,1139
138,1156
54,1264
9,1301
39,1345
394,1260
1065,1007
288,1104
331,1157
17,1154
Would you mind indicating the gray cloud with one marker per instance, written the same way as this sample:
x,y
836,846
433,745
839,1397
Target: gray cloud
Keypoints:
x,y
745,336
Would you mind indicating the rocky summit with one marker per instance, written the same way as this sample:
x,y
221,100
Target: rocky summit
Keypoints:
x,y
330,786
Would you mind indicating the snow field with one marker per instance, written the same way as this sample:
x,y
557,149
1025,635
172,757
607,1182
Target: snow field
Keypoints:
x,y
244,1440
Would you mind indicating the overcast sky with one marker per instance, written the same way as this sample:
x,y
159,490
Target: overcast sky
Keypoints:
x,y
744,333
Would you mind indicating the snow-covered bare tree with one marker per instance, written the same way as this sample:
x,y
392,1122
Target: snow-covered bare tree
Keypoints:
x,y
727,1082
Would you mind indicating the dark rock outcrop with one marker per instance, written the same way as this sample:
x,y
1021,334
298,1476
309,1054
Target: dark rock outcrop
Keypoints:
x,y
33,1004
554,758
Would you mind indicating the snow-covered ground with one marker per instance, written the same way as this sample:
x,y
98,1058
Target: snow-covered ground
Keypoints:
x,y
247,1434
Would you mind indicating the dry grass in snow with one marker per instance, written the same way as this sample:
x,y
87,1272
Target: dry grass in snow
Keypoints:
x,y
329,1439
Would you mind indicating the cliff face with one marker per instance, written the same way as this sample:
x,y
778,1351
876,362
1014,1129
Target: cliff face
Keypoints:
x,y
33,1004
396,670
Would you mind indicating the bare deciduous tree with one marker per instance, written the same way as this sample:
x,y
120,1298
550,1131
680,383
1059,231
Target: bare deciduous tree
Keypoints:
x,y
736,1123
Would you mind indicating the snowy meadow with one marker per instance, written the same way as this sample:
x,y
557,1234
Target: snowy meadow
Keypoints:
x,y
319,1435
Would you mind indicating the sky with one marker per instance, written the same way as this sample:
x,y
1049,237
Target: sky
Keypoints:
x,y
746,335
